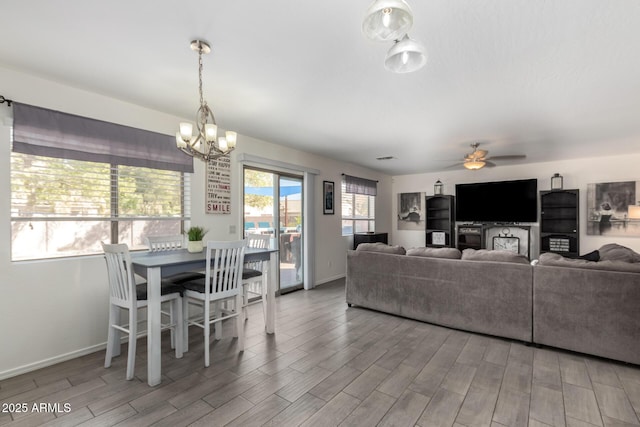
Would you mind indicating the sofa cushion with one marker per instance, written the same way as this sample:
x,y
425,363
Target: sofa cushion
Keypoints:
x,y
493,255
557,260
615,252
381,247
450,253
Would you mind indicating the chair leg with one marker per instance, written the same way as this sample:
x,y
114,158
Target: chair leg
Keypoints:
x,y
207,325
172,321
239,323
185,324
263,291
217,312
133,332
113,336
245,300
178,325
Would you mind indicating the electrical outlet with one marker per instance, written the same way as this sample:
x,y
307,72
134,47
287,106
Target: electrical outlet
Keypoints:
x,y
232,229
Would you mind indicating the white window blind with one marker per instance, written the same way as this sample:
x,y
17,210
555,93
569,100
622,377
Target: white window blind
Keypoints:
x,y
63,207
358,210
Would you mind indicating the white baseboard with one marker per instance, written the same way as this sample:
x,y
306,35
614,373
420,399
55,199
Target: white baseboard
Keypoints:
x,y
330,279
51,361
61,358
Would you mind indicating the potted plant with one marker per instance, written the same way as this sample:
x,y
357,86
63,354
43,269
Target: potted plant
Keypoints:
x,y
195,235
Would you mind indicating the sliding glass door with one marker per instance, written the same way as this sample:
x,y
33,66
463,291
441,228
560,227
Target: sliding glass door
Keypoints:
x,y
273,206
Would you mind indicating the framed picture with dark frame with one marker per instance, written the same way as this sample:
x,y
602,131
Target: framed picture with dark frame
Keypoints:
x,y
328,197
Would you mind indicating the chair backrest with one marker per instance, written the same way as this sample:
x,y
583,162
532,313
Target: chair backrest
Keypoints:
x,y
224,268
261,241
249,225
165,243
122,283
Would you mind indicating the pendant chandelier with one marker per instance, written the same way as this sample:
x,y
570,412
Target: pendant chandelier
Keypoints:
x,y
205,144
390,20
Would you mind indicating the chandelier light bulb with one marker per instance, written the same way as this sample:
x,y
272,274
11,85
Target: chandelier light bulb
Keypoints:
x,y
222,143
186,131
231,138
211,131
405,56
387,20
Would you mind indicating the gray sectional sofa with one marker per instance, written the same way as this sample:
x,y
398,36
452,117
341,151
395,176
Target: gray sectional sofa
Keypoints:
x,y
578,305
489,297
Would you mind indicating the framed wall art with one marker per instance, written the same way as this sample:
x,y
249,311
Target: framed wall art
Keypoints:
x,y
612,209
328,195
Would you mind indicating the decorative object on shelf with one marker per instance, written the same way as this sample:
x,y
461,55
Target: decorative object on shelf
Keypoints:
x,y
328,197
556,182
195,235
608,206
437,188
411,212
205,144
438,238
506,242
390,20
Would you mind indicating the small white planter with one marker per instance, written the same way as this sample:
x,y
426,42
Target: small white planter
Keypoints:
x,y
195,246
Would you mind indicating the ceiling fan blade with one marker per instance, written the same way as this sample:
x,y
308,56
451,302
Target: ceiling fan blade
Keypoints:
x,y
455,165
489,164
508,157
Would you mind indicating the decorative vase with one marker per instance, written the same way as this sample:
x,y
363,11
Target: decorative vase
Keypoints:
x,y
195,246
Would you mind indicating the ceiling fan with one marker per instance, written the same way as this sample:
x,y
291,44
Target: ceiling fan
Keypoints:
x,y
478,158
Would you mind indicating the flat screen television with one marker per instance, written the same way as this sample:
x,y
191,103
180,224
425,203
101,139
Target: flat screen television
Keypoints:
x,y
500,201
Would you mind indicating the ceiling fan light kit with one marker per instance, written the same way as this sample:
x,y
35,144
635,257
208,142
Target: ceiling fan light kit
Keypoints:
x,y
390,20
474,164
478,159
205,145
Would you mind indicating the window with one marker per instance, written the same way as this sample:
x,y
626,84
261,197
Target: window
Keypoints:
x,y
77,181
63,207
358,205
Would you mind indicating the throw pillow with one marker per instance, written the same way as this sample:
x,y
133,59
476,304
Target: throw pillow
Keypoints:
x,y
615,252
556,260
381,247
591,256
449,253
493,255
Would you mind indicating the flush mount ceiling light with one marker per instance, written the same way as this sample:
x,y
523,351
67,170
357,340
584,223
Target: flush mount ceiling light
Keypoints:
x,y
205,144
387,20
405,56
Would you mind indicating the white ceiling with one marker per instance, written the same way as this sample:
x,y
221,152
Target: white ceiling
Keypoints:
x,y
552,79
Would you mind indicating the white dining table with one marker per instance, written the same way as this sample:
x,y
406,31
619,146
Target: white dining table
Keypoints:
x,y
155,265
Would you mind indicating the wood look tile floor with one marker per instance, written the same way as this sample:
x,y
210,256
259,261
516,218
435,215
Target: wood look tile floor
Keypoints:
x,y
330,365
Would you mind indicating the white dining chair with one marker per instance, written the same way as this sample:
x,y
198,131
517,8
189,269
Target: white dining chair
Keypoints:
x,y
124,293
254,286
221,284
165,243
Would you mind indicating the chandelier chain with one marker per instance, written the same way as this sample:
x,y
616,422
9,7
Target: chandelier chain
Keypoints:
x,y
200,75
